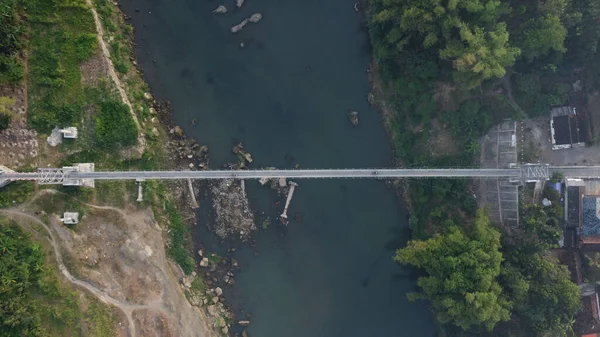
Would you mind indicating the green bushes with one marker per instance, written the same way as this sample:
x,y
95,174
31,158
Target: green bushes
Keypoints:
x,y
178,233
62,36
11,70
15,193
114,125
85,46
4,121
11,43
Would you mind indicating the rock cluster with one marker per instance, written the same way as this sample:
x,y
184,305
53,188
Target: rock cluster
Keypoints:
x,y
353,117
233,214
220,10
187,150
253,18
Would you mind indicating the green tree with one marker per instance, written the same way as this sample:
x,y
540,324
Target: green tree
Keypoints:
x,y
480,54
545,299
465,32
542,36
461,275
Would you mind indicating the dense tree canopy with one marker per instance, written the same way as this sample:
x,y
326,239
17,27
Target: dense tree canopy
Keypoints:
x,y
21,268
465,32
461,274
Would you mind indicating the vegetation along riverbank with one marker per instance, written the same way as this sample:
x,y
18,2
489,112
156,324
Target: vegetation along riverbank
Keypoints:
x,y
70,64
447,73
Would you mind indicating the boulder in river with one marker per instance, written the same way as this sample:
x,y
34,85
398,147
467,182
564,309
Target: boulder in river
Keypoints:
x,y
220,10
178,131
353,117
255,17
204,262
239,3
218,291
239,26
148,96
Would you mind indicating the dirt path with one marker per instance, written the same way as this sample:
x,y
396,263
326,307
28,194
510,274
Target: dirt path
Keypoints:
x,y
126,307
114,77
123,262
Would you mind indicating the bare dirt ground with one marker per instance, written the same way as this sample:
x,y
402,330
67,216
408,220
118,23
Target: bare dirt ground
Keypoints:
x,y
119,256
536,146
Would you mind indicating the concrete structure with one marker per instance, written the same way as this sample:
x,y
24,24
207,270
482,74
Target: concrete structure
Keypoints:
x,y
70,218
79,173
70,132
500,195
4,181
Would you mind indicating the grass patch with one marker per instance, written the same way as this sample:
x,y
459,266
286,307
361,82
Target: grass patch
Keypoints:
x,y
62,35
114,126
101,320
16,193
178,236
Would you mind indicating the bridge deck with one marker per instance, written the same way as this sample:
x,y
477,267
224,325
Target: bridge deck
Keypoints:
x,y
295,174
525,172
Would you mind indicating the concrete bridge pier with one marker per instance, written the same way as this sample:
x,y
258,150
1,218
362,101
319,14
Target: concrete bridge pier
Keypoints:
x,y
139,182
287,202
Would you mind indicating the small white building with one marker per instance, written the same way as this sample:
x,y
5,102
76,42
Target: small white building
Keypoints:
x,y
70,132
70,218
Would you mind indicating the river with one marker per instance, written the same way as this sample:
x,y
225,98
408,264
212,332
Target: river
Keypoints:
x,y
286,95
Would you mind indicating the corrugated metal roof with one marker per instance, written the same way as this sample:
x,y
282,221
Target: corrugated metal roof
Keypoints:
x,y
591,218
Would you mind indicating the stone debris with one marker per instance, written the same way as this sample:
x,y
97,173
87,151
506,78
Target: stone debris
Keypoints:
x,y
177,131
55,137
220,10
239,26
353,117
233,214
255,17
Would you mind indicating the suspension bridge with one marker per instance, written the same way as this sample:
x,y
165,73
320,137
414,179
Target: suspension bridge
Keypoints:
x,y
74,175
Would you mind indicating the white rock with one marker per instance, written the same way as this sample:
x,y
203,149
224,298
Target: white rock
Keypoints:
x,y
282,182
204,262
218,291
239,26
225,330
200,252
191,165
244,323
155,132
215,299
148,96
239,3
255,17
220,10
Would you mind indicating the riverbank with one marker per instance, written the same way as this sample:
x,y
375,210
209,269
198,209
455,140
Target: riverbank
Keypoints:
x,y
98,89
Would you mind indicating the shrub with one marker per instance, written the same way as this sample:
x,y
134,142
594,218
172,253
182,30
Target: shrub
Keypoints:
x,y
114,125
4,121
85,46
11,70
